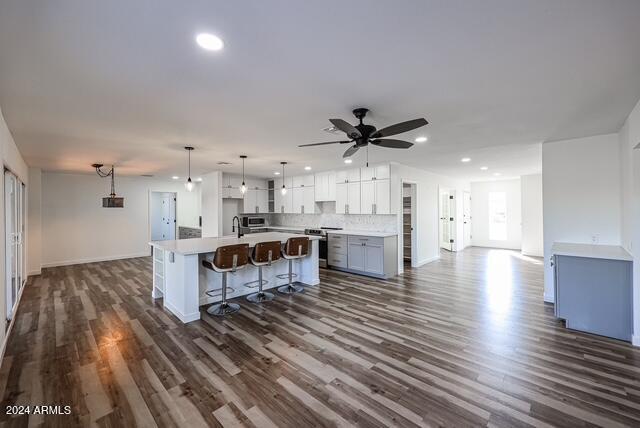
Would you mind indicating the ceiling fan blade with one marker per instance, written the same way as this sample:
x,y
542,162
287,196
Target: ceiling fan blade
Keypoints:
x,y
399,128
322,144
350,151
392,144
346,127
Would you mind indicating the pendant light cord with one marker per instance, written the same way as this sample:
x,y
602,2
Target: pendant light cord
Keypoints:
x,y
189,172
113,184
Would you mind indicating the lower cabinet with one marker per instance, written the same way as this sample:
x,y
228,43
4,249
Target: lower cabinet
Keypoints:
x,y
366,255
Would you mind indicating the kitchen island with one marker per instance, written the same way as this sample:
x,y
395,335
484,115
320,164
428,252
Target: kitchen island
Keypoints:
x,y
181,280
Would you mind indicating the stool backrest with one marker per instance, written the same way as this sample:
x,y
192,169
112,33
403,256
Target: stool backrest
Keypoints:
x,y
297,247
231,256
266,252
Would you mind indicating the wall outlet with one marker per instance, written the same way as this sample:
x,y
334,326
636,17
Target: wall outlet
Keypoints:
x,y
595,239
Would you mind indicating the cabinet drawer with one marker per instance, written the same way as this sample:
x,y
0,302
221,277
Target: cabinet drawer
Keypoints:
x,y
337,238
337,248
370,240
337,260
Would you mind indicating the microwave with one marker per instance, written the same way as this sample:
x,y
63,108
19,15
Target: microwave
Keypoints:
x,y
254,222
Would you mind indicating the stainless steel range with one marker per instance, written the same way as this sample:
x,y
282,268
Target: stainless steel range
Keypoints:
x,y
322,244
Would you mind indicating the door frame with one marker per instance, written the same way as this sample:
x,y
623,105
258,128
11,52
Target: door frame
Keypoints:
x,y
414,226
20,214
468,224
452,210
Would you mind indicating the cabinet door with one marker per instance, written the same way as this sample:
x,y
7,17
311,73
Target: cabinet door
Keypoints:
x,y
367,173
308,200
342,198
368,197
382,197
321,186
262,200
374,259
382,172
249,202
353,175
234,187
356,257
297,195
331,186
288,201
341,176
353,198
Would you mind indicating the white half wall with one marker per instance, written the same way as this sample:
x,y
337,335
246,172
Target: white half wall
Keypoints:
x,y
76,229
427,208
581,186
532,224
480,213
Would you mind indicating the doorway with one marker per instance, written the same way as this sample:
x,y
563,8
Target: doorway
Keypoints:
x,y
15,278
163,216
447,219
466,219
409,241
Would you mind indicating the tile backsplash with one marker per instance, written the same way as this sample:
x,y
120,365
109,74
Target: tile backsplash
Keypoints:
x,y
379,223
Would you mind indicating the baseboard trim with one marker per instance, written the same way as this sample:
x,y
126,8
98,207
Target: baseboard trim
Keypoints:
x,y
185,318
635,340
425,261
94,260
549,298
10,329
34,273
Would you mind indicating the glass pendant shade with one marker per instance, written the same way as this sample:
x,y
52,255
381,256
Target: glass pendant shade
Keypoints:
x,y
189,185
243,188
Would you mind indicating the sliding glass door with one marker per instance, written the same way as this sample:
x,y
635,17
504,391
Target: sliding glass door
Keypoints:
x,y
14,205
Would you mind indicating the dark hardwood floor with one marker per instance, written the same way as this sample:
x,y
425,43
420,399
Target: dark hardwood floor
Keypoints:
x,y
464,341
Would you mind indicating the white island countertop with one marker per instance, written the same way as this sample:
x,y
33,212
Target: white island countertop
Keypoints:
x,y
372,233
610,252
210,245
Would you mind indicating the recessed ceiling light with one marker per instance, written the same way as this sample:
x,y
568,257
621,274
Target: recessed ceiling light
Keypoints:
x,y
175,177
348,161
484,168
497,174
199,179
307,168
465,160
209,42
421,139
276,173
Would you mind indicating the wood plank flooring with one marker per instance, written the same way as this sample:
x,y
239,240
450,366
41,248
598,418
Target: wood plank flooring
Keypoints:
x,y
464,341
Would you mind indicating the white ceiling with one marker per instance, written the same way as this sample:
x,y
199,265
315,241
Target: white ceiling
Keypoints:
x,y
123,82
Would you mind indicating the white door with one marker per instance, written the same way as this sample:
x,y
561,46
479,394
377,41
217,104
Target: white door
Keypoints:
x,y
342,198
374,258
445,221
356,256
168,217
368,196
466,218
382,197
14,240
353,190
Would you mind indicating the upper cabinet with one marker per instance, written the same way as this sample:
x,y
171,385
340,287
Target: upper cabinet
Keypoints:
x,y
303,180
283,203
325,187
378,172
256,201
348,176
231,186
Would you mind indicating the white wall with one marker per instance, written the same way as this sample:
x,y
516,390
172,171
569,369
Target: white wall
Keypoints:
x,y
480,213
12,160
532,224
34,222
581,185
427,208
76,229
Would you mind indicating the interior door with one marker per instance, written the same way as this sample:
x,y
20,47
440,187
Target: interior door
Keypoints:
x,y
15,212
466,218
445,221
168,216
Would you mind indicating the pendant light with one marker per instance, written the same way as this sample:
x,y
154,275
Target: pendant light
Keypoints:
x,y
284,188
189,184
243,187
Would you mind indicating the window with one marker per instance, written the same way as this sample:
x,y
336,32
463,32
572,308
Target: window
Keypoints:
x,y
497,216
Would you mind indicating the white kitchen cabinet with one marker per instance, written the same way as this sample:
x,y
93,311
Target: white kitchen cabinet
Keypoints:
x,y
377,172
303,200
283,203
348,175
231,186
356,256
303,180
256,201
325,186
375,197
348,198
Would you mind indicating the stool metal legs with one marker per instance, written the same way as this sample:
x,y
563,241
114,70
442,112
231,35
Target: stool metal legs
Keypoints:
x,y
223,308
290,288
260,296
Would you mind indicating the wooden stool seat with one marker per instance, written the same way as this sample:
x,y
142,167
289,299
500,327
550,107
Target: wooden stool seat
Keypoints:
x,y
263,254
295,248
228,258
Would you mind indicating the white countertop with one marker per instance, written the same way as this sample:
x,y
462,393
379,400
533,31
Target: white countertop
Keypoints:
x,y
296,228
361,233
210,245
611,252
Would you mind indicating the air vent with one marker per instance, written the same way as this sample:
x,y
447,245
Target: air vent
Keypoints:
x,y
224,163
332,130
147,175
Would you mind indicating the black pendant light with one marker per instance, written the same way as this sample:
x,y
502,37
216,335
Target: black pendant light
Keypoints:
x,y
189,184
284,188
243,187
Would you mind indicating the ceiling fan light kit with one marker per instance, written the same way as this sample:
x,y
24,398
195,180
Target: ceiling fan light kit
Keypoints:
x,y
362,135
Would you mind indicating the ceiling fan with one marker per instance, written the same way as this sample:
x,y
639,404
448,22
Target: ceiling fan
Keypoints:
x,y
362,135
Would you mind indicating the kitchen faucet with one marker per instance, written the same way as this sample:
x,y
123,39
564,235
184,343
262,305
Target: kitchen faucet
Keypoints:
x,y
233,226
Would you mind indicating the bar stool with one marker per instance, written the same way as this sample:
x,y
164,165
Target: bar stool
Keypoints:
x,y
263,254
295,248
228,258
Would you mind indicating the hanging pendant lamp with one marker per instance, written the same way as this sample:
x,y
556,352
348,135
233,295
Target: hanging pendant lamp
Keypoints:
x,y
243,187
189,184
284,188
